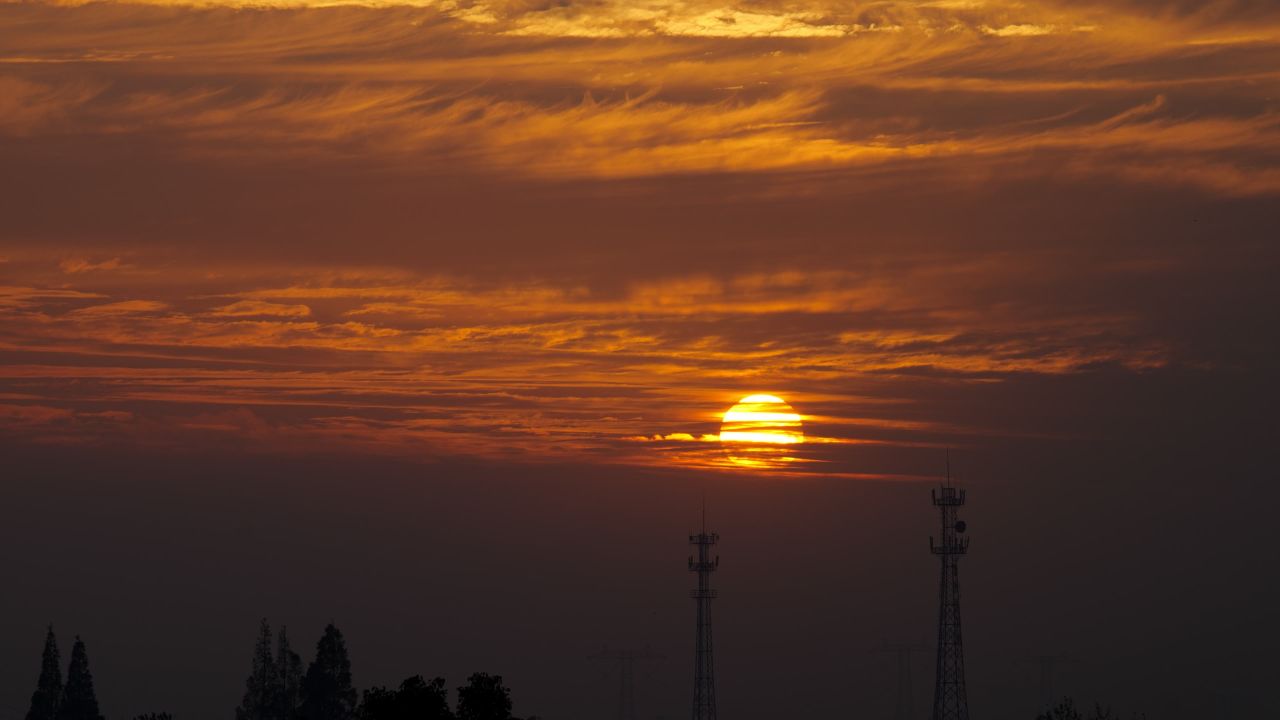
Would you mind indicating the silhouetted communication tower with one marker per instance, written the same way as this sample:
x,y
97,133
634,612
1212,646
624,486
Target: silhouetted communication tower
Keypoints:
x,y
903,706
704,674
625,662
949,699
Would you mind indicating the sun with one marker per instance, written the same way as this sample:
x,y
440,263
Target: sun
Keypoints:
x,y
760,431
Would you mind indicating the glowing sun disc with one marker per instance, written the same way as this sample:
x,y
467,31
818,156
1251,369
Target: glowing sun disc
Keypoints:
x,y
761,420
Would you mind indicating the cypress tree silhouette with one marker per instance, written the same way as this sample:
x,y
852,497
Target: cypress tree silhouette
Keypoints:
x,y
327,693
484,698
44,701
416,699
79,702
288,677
260,701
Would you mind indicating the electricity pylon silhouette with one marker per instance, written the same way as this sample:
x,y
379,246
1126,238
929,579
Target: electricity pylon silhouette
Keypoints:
x,y
903,706
625,663
704,674
950,701
1048,663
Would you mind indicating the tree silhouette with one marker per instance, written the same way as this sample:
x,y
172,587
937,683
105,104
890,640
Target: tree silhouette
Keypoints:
x,y
416,699
484,698
379,703
260,701
288,678
1066,710
44,701
79,702
327,693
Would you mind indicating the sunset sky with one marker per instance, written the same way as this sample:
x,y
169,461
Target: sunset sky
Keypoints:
x,y
525,254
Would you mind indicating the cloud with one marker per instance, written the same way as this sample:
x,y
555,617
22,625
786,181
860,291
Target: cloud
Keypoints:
x,y
13,297
72,266
32,415
121,308
257,308
1024,30
545,230
639,106
464,366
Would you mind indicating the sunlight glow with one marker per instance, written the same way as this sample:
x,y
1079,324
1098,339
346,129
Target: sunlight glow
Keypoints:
x,y
754,430
760,437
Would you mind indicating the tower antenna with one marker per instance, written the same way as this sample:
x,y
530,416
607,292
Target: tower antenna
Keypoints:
x,y
704,679
950,701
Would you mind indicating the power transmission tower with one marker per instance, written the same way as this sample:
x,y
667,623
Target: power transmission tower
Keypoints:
x,y
704,676
625,663
950,701
903,707
1049,663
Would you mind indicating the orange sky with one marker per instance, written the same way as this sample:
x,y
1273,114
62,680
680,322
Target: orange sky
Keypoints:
x,y
418,318
580,231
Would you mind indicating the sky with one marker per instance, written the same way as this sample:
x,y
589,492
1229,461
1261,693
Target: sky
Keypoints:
x,y
423,317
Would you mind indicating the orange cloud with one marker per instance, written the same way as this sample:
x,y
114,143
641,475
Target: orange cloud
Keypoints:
x,y
549,230
123,307
639,105
257,308
78,265
450,365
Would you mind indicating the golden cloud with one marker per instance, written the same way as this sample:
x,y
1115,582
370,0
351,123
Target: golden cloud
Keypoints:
x,y
681,88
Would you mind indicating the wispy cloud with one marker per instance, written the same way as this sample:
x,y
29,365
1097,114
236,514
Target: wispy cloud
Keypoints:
x,y
538,371
583,230
355,82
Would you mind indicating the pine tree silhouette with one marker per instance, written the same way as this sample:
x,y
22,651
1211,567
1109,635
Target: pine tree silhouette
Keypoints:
x,y
484,698
259,701
327,693
79,702
288,678
44,701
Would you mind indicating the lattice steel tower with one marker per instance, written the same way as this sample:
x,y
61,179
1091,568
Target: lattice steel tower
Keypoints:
x,y
903,706
625,663
704,674
949,699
